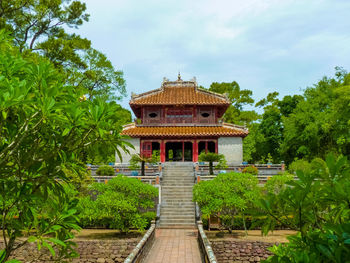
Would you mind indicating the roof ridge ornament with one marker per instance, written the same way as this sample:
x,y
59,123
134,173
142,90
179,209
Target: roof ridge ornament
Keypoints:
x,y
179,77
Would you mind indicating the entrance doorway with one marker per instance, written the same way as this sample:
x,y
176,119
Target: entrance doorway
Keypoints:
x,y
206,146
178,151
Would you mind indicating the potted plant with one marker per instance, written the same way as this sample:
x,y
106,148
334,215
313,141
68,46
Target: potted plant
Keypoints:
x,y
138,158
211,158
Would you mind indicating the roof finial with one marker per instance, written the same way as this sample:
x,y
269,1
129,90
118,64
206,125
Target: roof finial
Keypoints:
x,y
179,77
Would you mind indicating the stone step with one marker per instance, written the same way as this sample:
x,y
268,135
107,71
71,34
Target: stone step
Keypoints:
x,y
175,186
186,211
167,214
177,174
171,205
185,179
179,178
177,198
177,183
178,205
178,167
177,194
177,201
177,191
176,221
177,170
170,219
177,216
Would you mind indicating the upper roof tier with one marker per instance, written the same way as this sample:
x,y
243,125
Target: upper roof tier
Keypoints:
x,y
179,92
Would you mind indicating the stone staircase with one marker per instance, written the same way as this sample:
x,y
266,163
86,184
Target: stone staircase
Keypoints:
x,y
177,209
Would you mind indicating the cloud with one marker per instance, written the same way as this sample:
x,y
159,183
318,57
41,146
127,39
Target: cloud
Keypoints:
x,y
270,45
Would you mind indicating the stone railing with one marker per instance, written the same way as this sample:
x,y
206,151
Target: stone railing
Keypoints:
x,y
265,171
204,245
153,173
154,180
150,170
143,247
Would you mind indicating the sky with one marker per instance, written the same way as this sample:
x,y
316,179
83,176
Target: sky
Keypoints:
x,y
264,45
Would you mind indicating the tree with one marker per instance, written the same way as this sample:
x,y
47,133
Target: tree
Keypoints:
x,y
139,158
266,136
227,196
239,98
319,123
317,205
122,203
211,158
45,126
40,26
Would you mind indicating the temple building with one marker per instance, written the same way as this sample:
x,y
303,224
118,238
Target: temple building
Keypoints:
x,y
180,121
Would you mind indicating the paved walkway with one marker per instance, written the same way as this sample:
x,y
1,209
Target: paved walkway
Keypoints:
x,y
175,246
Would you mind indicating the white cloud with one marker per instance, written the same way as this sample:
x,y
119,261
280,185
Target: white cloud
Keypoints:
x,y
265,45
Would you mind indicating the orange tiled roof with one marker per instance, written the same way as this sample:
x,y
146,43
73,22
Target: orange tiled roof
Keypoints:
x,y
179,93
225,130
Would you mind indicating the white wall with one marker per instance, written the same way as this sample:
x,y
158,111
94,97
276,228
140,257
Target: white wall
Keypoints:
x,y
126,156
232,148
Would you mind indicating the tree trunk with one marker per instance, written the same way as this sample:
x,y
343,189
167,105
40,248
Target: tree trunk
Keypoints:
x,y
211,172
143,168
244,225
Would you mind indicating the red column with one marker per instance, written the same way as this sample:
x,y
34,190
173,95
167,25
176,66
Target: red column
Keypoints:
x,y
162,151
195,151
216,146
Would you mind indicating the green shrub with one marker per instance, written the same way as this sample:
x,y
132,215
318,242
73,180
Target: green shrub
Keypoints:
x,y
317,206
251,170
227,195
105,170
301,165
122,203
277,183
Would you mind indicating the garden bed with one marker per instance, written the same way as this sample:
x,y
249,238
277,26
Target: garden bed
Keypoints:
x,y
93,245
237,247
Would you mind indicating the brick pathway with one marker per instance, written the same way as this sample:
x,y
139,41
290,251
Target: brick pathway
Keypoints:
x,y
175,246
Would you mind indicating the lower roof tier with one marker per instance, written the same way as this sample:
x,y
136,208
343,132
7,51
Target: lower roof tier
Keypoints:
x,y
225,130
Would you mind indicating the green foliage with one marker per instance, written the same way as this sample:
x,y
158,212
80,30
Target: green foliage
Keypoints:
x,y
277,183
138,158
105,170
251,170
239,98
227,196
121,204
45,128
302,165
222,164
171,154
319,124
40,26
317,205
156,156
211,158
332,244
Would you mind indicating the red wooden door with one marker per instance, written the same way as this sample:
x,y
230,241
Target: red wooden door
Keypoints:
x,y
147,149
